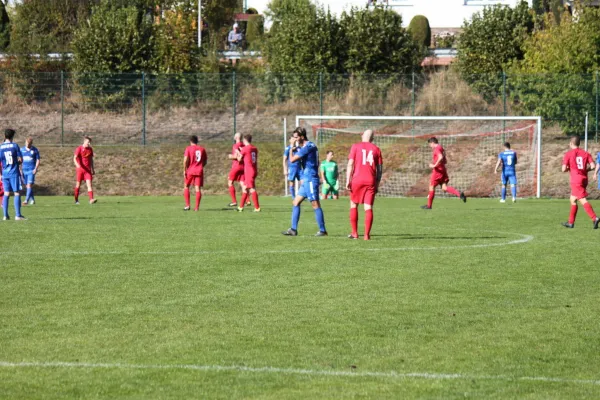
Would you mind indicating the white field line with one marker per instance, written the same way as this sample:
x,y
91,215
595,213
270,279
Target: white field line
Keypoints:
x,y
295,371
523,239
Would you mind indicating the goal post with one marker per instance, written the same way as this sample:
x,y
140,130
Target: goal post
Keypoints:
x,y
472,145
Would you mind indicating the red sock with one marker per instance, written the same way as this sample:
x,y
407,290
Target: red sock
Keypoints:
x,y
198,198
354,221
573,214
430,198
590,211
368,223
453,191
244,198
186,196
91,194
232,194
76,194
255,199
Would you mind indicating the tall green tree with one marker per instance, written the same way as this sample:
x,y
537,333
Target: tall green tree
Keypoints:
x,y
115,39
376,42
219,15
4,28
489,42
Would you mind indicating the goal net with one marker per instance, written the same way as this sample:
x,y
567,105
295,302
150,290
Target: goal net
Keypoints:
x,y
472,146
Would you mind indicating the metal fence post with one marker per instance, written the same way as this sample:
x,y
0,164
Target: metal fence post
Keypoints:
x,y
503,103
143,108
596,121
62,108
234,96
321,92
412,105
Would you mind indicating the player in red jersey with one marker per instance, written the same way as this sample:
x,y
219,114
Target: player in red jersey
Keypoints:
x,y
578,162
439,175
236,174
248,155
84,167
194,161
363,175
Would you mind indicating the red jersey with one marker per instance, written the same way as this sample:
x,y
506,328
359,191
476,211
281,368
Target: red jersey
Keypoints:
x,y
366,158
197,156
437,151
84,157
234,150
250,160
578,162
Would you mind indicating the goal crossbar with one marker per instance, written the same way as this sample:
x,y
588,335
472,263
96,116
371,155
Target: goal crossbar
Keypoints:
x,y
537,119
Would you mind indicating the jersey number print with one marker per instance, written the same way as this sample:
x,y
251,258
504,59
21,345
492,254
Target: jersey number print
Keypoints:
x,y
509,160
579,161
368,158
198,155
9,158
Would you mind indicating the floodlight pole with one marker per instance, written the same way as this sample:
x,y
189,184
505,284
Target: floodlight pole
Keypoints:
x,y
586,131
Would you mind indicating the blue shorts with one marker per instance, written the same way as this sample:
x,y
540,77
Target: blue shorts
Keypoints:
x,y
29,177
512,178
11,185
294,174
309,189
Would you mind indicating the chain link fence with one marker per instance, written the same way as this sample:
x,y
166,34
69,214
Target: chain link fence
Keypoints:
x,y
58,108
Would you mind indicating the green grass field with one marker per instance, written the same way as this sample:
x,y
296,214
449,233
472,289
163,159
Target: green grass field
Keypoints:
x,y
133,298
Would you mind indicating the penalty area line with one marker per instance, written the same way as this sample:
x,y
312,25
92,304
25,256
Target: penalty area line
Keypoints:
x,y
294,371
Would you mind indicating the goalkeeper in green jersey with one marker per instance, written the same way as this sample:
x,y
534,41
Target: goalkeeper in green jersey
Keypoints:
x,y
329,177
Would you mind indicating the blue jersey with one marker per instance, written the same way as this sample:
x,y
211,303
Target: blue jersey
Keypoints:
x,y
309,154
509,160
291,165
10,154
30,158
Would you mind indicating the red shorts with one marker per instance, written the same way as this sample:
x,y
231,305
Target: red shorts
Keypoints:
x,y
578,189
362,194
83,175
236,175
1,189
249,181
195,180
439,178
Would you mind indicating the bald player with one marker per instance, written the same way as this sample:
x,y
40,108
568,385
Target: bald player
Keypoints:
x,y
363,175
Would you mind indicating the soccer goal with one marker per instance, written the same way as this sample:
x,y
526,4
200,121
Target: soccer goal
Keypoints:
x,y
472,145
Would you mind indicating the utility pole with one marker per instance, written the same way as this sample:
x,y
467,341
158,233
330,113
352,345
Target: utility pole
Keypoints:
x,y
199,23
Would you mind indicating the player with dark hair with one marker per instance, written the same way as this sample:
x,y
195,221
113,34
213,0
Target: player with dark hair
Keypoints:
x,y
329,177
308,154
365,166
194,161
84,168
236,174
248,155
578,162
291,170
12,174
508,159
439,175
31,163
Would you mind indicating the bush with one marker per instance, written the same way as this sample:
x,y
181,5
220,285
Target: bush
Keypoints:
x,y
420,30
255,31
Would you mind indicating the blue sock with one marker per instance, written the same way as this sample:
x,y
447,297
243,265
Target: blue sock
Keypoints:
x,y
18,206
29,194
293,191
513,190
295,217
320,219
503,193
5,205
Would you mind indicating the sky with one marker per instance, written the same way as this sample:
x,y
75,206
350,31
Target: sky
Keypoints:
x,y
336,6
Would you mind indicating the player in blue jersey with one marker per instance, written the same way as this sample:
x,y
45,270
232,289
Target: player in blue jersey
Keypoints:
x,y
31,163
308,154
508,159
597,169
12,174
292,171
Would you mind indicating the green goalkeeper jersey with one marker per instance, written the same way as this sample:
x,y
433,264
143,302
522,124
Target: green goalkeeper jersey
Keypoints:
x,y
330,171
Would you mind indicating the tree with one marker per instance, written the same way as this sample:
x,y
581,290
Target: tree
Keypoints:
x,y
376,42
4,28
219,16
489,42
116,39
420,30
556,77
303,38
